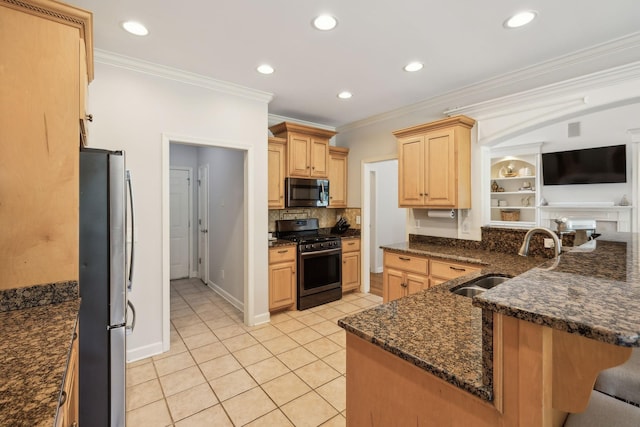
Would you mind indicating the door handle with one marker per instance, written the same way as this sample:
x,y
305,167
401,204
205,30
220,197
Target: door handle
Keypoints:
x,y
204,231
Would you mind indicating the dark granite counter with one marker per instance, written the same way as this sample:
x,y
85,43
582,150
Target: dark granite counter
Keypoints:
x,y
593,290
280,242
435,329
37,324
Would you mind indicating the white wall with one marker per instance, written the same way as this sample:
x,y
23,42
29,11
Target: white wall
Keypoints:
x,y
226,221
132,110
187,157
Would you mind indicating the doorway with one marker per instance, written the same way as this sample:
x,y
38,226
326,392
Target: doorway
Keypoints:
x,y
383,222
226,185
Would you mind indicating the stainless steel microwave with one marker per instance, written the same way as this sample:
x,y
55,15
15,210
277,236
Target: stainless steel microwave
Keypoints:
x,y
304,192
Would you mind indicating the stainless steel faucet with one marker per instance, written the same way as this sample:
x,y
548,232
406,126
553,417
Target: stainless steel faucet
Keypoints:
x,y
524,249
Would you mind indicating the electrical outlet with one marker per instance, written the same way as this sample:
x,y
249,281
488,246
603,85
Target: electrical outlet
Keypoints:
x,y
357,219
548,243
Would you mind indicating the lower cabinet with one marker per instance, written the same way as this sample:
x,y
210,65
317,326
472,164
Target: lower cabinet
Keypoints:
x,y
282,278
403,275
68,409
441,271
407,274
350,265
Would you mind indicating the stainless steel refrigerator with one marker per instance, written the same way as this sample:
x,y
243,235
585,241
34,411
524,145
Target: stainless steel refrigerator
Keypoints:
x,y
106,267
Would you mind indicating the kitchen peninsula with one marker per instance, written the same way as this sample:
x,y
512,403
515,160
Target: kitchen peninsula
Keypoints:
x,y
526,352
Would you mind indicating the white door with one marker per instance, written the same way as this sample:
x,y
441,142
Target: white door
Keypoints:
x,y
203,223
180,225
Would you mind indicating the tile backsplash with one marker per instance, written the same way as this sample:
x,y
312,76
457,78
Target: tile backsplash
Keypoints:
x,y
326,217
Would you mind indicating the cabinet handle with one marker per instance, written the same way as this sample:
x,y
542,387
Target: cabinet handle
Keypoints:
x,y
351,244
284,251
457,268
89,117
344,262
63,399
314,168
75,336
404,258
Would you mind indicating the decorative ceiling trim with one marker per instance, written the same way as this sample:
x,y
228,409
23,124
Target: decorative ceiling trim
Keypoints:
x,y
275,119
169,73
557,65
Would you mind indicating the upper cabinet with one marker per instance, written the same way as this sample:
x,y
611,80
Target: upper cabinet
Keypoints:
x,y
277,169
338,157
434,164
46,61
307,149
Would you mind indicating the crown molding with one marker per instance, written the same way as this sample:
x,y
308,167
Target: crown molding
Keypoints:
x,y
557,65
275,119
175,74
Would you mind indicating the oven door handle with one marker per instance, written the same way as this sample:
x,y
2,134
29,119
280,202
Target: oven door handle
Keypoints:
x,y
324,252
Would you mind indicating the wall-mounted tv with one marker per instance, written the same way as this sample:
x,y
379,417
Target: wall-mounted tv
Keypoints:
x,y
586,166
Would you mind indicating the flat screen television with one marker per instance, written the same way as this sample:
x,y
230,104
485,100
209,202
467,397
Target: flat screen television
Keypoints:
x,y
586,166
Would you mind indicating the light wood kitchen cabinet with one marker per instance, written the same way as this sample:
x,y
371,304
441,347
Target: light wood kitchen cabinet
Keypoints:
x,y
441,271
68,414
338,157
307,149
277,161
350,265
403,275
41,81
282,277
434,164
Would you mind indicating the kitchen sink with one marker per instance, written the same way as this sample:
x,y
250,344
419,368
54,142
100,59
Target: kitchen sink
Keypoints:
x,y
479,285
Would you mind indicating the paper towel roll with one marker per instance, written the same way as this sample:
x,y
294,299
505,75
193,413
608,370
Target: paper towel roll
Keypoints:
x,y
441,214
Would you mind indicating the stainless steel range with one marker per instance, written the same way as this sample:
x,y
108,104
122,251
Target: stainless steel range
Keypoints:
x,y
319,261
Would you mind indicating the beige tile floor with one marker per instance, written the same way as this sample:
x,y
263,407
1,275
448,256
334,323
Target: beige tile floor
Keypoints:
x,y
219,372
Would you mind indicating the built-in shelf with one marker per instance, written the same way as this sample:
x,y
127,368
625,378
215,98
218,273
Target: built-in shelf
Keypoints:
x,y
510,178
585,206
512,192
513,207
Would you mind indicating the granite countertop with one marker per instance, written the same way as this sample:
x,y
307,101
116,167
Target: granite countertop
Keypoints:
x,y
435,329
593,290
35,348
281,242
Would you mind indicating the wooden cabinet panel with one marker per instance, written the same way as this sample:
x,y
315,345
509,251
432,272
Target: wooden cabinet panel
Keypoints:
x,y
39,130
449,270
68,415
416,283
350,271
351,245
338,177
307,149
282,277
393,281
319,161
434,164
277,170
408,263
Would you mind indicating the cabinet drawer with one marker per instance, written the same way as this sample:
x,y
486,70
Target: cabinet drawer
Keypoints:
x,y
350,245
282,254
448,270
408,263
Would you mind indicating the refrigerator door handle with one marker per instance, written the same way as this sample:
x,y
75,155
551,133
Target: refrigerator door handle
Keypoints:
x,y
133,234
129,328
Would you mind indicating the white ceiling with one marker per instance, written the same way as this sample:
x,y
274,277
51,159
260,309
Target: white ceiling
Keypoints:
x,y
461,42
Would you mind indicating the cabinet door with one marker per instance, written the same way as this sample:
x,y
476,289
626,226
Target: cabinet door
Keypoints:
x,y
410,171
337,180
440,169
415,283
392,284
282,285
39,148
276,161
299,155
319,157
350,271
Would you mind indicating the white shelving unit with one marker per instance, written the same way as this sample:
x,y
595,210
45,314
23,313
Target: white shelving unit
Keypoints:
x,y
515,202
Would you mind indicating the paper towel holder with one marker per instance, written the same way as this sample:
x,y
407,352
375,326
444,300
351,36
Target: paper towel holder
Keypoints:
x,y
441,213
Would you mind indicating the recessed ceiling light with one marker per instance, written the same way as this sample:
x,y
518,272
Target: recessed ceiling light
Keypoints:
x,y
520,19
265,69
135,28
325,22
413,66
345,94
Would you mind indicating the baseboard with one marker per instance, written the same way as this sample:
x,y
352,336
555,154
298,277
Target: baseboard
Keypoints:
x,y
226,295
260,319
135,354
